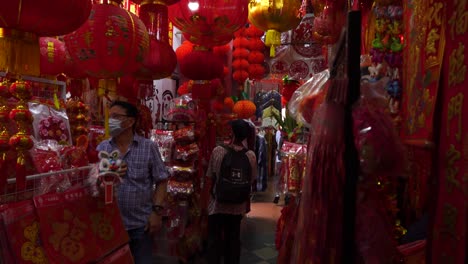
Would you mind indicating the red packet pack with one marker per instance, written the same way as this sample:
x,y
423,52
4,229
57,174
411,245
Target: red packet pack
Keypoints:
x,y
107,226
122,255
65,230
22,231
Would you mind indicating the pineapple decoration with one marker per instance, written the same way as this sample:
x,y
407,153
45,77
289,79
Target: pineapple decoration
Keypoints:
x,y
78,113
22,140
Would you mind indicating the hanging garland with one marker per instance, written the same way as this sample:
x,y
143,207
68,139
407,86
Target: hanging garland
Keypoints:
x,y
240,64
256,56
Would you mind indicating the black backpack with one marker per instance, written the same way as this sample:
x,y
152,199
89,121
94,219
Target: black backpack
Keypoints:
x,y
233,183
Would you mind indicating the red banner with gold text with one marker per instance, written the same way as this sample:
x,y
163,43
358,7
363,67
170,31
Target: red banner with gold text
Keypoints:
x,y
423,53
448,243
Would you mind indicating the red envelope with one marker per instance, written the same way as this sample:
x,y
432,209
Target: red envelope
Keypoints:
x,y
22,231
120,256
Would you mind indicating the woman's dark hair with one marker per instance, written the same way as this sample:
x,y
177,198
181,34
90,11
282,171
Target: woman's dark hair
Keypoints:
x,y
130,110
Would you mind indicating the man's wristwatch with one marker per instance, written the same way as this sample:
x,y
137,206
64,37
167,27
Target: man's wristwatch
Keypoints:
x,y
158,209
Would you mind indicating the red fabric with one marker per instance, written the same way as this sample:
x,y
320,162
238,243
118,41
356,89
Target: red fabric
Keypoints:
x,y
5,253
448,241
201,65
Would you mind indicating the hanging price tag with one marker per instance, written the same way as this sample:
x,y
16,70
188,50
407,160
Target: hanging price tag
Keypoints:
x,y
108,184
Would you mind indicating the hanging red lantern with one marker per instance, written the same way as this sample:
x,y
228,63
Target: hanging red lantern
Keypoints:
x,y
161,60
330,17
240,53
240,64
206,19
22,22
244,109
256,57
274,17
240,76
183,50
110,44
190,65
222,50
208,41
53,56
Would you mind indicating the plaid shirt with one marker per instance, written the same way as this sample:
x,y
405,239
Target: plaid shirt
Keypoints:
x,y
214,167
135,193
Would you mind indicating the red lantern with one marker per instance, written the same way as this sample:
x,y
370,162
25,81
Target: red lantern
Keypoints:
x,y
240,76
240,53
201,65
240,64
208,41
256,57
222,50
183,50
22,22
207,19
161,60
53,56
110,44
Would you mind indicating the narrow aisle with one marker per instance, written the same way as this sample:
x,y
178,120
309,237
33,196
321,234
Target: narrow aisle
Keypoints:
x,y
258,228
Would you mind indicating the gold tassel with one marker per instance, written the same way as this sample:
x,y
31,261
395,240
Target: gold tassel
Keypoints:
x,y
273,39
19,52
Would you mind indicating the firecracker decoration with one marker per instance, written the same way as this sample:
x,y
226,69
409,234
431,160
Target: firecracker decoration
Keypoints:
x,y
22,140
4,134
240,64
78,114
256,48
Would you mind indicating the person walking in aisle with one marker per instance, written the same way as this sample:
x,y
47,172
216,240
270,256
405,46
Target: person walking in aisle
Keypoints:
x,y
139,202
232,169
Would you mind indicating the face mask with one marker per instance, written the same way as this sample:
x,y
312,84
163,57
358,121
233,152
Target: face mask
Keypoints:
x,y
115,127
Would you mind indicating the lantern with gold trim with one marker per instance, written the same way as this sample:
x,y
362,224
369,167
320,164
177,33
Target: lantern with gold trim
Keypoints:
x,y
209,22
22,22
110,44
274,17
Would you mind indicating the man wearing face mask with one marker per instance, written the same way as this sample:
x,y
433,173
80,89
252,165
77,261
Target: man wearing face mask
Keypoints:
x,y
139,203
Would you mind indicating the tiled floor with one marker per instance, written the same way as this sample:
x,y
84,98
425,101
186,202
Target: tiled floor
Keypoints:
x,y
257,231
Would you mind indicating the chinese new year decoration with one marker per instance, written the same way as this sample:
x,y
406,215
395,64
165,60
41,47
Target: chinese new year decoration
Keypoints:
x,y
20,28
330,17
274,17
22,140
240,54
110,44
244,109
209,22
53,56
4,134
256,57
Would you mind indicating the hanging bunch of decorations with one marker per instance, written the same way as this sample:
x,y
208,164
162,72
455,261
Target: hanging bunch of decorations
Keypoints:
x,y
78,115
21,141
4,131
274,17
256,56
240,54
330,17
222,52
53,56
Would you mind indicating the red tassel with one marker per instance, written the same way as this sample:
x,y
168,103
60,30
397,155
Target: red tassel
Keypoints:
x,y
21,172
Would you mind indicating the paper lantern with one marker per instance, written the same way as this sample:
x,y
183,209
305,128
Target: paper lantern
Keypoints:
x,y
22,22
244,109
208,19
53,56
240,64
330,17
274,17
208,40
240,53
240,76
161,60
110,44
183,50
201,64
256,57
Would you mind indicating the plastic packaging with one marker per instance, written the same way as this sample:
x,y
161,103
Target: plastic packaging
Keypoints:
x,y
50,123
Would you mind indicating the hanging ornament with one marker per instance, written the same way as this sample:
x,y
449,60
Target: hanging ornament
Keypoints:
x,y
22,140
240,64
274,17
23,22
4,134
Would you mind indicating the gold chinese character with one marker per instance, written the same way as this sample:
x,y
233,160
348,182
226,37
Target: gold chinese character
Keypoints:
x,y
459,20
455,107
434,14
451,170
457,67
449,218
432,38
